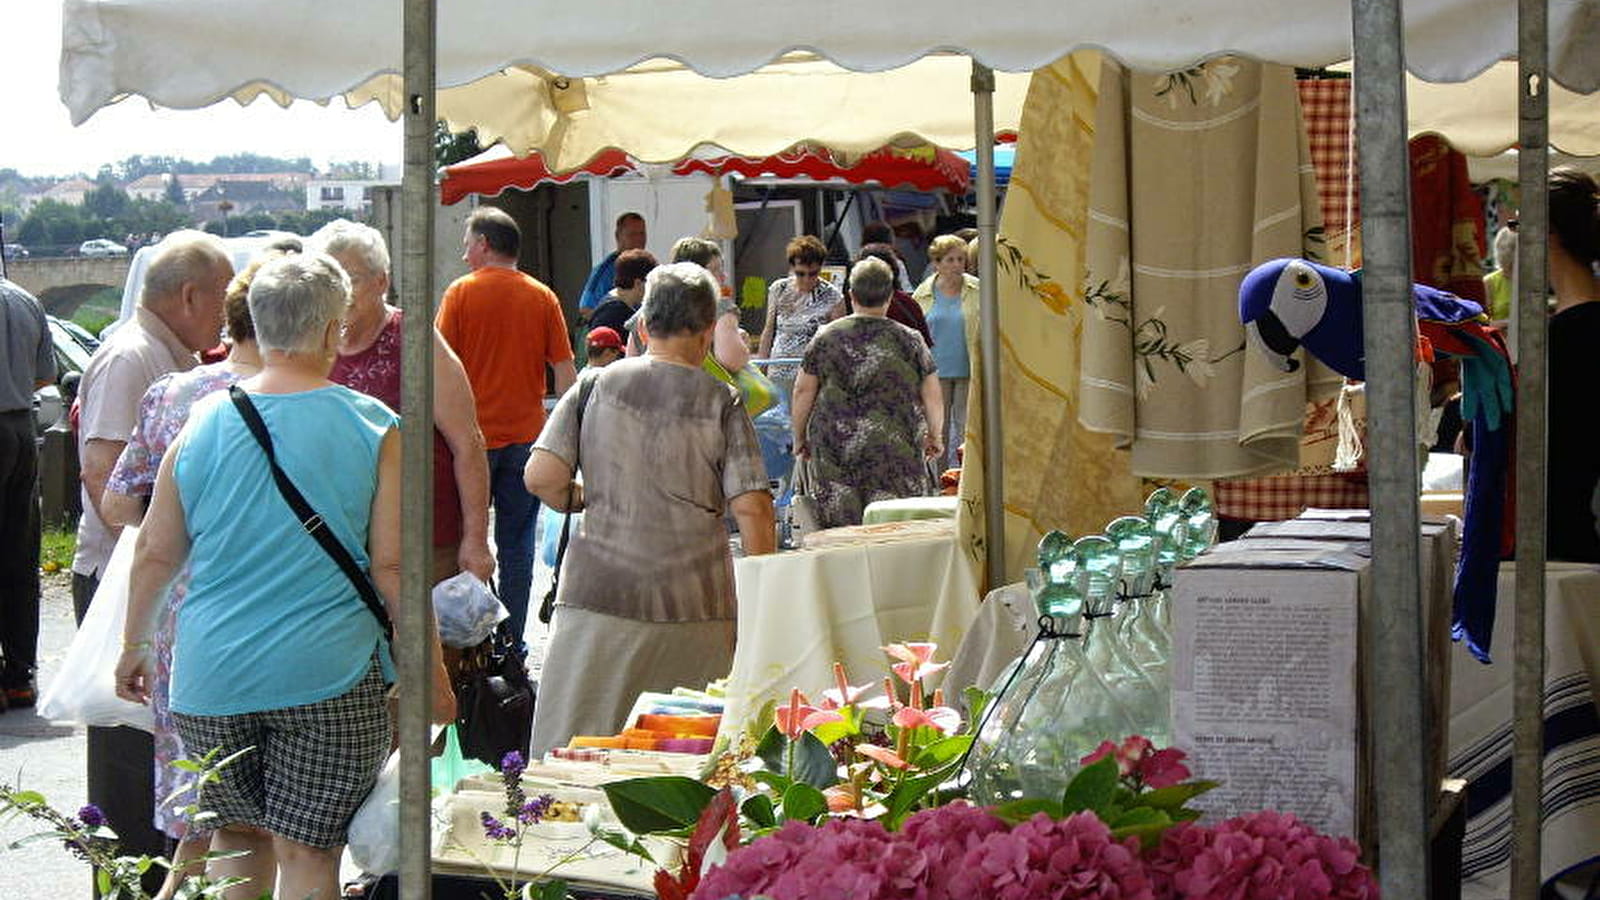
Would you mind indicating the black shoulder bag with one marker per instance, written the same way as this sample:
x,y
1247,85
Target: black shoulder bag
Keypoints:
x,y
547,608
309,519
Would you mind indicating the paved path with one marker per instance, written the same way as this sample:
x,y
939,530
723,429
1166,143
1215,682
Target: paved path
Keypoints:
x,y
48,758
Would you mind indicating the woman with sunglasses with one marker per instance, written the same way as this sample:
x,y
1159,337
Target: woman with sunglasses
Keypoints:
x,y
797,305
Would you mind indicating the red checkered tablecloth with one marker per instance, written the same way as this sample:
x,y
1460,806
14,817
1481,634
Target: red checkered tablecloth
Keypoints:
x,y
1325,107
1286,496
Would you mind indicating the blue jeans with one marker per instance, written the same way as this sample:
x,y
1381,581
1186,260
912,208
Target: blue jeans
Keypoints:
x,y
515,512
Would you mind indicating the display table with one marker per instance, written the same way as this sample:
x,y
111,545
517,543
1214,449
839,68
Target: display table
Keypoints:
x,y
1480,719
1480,733
801,611
908,508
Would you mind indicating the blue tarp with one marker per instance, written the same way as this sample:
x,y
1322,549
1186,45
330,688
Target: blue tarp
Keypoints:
x,y
1004,155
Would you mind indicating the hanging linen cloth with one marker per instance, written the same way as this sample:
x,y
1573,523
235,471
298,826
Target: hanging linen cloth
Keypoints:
x,y
1058,475
1198,176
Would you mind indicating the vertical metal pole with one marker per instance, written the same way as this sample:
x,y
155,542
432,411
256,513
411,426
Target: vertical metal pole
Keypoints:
x,y
413,637
1527,692
1393,620
994,499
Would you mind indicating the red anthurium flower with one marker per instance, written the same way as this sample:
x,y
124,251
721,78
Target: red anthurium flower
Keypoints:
x,y
718,825
841,797
882,754
792,718
943,719
916,661
819,717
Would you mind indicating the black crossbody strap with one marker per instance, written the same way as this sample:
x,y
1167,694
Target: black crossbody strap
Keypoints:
x,y
313,523
547,608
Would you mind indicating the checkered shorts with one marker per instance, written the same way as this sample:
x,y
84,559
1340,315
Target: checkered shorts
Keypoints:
x,y
310,768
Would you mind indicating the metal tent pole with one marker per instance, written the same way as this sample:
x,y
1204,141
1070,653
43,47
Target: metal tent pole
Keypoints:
x,y
994,524
1392,630
1527,758
412,639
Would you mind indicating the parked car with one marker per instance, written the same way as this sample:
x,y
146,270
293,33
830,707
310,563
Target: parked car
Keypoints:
x,y
16,251
73,347
101,247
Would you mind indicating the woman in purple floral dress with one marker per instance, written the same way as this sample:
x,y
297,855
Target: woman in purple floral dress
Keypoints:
x,y
867,412
162,414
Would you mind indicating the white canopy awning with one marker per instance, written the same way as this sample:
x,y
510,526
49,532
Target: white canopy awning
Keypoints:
x,y
191,53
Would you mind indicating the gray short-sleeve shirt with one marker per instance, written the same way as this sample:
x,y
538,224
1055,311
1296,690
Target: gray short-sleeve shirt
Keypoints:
x,y
25,339
664,448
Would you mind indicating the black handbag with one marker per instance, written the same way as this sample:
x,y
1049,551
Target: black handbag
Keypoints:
x,y
494,699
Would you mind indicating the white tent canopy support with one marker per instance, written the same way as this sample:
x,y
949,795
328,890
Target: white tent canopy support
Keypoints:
x,y
191,53
662,111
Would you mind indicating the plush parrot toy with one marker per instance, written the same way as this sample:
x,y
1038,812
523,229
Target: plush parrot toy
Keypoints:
x,y
1292,304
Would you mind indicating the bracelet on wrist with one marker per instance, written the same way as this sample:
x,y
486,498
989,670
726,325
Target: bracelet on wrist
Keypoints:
x,y
136,645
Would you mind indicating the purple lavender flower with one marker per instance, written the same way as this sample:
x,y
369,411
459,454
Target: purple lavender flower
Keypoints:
x,y
91,816
494,829
534,811
512,765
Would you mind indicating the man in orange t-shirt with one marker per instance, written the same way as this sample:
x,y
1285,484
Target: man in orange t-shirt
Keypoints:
x,y
506,326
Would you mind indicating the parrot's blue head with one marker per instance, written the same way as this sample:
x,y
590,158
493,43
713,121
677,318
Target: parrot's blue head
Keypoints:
x,y
1287,304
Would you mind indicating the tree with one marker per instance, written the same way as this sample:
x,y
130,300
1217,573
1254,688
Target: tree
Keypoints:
x,y
106,201
174,191
450,148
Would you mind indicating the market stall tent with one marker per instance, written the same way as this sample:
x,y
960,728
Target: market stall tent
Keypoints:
x,y
918,168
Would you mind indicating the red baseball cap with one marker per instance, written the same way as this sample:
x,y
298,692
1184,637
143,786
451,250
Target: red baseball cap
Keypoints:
x,y
605,337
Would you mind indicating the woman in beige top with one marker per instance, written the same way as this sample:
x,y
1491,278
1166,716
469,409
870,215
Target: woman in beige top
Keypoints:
x,y
646,598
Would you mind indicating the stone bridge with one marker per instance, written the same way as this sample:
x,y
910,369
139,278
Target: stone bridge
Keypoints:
x,y
63,283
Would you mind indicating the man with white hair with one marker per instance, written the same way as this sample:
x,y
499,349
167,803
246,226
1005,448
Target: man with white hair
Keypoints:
x,y
180,313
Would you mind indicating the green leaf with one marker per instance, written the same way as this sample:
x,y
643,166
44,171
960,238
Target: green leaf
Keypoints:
x,y
1186,815
1142,815
802,803
833,731
759,810
1170,798
1092,788
627,843
770,749
941,751
657,804
777,782
102,880
910,792
1022,810
27,798
813,763
977,701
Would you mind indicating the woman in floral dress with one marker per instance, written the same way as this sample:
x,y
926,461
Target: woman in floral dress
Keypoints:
x,y
797,305
867,410
162,414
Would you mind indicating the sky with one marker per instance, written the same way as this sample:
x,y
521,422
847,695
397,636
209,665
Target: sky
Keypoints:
x,y
37,137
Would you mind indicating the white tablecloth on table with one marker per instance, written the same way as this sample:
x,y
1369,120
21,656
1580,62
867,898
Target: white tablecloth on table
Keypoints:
x,y
801,611
1480,732
907,508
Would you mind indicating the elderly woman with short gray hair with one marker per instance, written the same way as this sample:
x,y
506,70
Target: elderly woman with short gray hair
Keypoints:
x,y
277,657
867,410
646,598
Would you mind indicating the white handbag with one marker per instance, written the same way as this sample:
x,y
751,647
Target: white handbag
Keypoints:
x,y
803,517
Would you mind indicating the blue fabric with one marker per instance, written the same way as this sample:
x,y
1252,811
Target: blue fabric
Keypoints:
x,y
515,513
599,283
1478,570
949,329
270,620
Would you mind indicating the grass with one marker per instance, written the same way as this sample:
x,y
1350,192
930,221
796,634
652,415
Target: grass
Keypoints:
x,y
55,550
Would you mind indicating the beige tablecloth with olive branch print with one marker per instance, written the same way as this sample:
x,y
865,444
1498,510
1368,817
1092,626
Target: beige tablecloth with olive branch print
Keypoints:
x,y
1198,176
1057,473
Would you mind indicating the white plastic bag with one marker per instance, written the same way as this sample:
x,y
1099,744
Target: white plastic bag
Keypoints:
x,y
374,833
466,609
85,688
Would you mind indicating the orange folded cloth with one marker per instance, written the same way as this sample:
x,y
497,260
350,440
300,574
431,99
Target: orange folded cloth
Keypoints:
x,y
607,741
679,726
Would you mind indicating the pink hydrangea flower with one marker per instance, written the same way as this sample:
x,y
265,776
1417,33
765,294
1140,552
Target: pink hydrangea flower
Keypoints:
x,y
1138,759
1256,857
